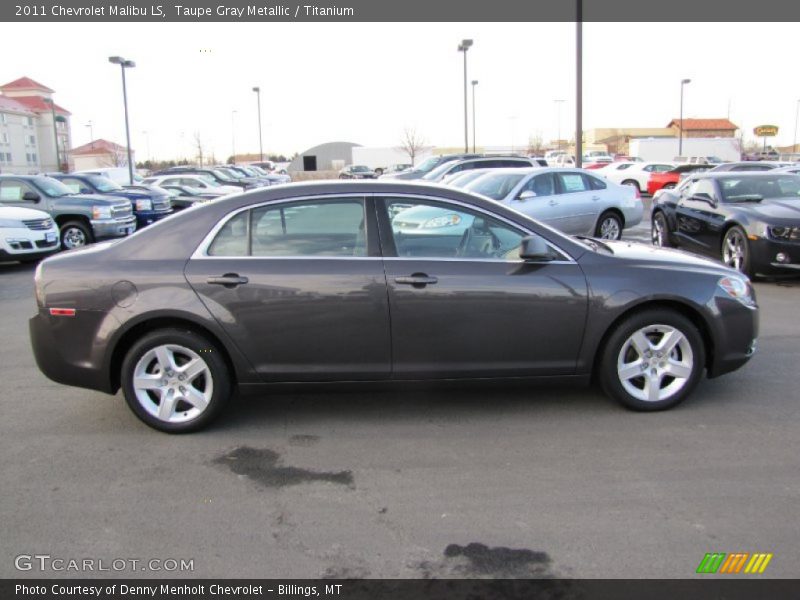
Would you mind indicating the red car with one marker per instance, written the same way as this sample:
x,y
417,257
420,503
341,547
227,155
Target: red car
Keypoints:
x,y
669,179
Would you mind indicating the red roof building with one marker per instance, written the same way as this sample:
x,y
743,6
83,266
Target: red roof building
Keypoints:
x,y
704,127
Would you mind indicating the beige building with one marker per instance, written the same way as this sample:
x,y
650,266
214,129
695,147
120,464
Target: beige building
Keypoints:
x,y
100,154
32,126
703,128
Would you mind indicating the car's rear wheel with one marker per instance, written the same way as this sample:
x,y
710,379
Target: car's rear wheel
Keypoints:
x,y
75,234
659,231
669,186
175,380
653,360
633,183
736,250
609,226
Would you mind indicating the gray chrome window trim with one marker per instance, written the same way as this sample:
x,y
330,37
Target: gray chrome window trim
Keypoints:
x,y
201,252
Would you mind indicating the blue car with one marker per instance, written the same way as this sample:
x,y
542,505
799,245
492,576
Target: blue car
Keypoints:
x,y
148,206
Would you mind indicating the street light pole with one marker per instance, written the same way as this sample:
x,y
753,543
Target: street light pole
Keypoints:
x,y
125,64
463,47
233,135
558,106
474,130
579,85
257,90
147,140
55,130
680,133
794,141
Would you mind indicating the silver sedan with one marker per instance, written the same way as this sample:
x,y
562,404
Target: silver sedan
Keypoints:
x,y
571,200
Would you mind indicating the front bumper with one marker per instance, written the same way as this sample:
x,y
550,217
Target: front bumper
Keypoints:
x,y
764,256
735,335
113,228
24,244
148,217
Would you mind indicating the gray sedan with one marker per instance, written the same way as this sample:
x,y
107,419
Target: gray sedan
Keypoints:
x,y
571,200
310,283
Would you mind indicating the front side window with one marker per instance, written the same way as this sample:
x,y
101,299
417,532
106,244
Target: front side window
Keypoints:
x,y
430,229
12,190
702,189
298,229
541,185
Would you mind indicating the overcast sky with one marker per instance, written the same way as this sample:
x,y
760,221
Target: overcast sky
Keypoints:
x,y
365,82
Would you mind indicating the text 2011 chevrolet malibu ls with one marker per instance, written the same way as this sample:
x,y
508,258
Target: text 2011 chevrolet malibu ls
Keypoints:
x,y
318,283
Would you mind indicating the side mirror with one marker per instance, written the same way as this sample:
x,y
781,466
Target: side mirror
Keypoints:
x,y
526,195
702,197
534,249
31,197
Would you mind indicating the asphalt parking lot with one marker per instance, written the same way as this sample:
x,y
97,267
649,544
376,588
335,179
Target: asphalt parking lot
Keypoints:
x,y
498,481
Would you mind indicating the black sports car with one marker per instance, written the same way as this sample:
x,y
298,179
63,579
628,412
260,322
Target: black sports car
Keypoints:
x,y
750,221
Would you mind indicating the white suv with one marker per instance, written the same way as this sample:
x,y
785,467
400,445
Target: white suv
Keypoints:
x,y
26,235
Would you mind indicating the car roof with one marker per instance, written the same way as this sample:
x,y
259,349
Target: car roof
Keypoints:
x,y
738,174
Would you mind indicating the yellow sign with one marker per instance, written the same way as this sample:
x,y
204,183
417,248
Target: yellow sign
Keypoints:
x,y
766,130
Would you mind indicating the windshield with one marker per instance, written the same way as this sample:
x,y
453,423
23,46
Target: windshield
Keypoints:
x,y
462,179
52,187
750,189
438,171
222,175
495,185
360,169
427,164
104,184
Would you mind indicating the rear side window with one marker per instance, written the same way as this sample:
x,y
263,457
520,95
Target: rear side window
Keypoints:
x,y
572,182
299,229
595,183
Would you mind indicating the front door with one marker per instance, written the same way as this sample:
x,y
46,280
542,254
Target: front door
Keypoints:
x,y
462,302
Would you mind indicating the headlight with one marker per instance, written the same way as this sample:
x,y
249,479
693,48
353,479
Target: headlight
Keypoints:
x,y
101,212
738,288
145,204
11,224
784,233
443,221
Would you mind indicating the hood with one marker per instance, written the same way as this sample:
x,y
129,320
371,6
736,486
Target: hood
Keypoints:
x,y
19,213
787,209
637,252
99,199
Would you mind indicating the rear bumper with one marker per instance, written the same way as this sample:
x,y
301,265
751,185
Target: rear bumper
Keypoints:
x,y
54,341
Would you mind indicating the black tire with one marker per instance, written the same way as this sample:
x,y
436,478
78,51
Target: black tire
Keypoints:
x,y
659,231
180,343
609,226
735,237
620,353
632,183
75,234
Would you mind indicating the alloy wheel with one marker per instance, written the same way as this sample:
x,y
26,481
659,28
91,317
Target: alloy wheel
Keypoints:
x,y
734,250
610,229
74,238
173,383
655,363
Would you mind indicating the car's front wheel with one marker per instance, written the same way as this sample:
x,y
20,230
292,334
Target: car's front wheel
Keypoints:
x,y
736,251
659,232
609,226
175,380
652,360
75,234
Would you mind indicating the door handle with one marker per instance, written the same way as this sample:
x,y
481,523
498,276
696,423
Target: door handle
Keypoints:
x,y
418,280
595,198
229,280
552,203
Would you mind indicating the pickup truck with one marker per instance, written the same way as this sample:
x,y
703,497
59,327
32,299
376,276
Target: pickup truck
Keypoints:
x,y
148,206
81,218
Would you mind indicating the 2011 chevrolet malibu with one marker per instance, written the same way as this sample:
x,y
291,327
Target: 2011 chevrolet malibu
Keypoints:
x,y
315,283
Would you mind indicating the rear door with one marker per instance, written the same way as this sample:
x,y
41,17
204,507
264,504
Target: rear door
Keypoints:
x,y
299,286
576,197
464,305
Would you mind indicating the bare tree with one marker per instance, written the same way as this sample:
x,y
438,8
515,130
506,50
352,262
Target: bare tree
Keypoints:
x,y
535,144
117,157
411,143
198,143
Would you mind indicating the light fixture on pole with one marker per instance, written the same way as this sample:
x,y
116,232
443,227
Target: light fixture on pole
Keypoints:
x,y
463,47
579,85
125,64
680,132
474,130
55,130
257,90
558,119
233,136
